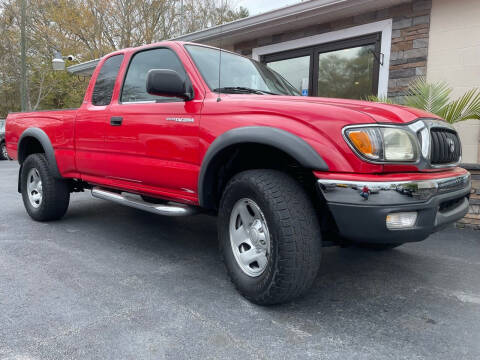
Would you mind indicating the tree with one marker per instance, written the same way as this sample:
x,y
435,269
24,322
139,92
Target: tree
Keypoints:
x,y
88,29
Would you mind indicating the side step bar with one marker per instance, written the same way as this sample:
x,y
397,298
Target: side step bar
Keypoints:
x,y
132,200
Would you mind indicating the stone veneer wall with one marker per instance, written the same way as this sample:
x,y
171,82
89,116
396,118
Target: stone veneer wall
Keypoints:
x,y
408,60
410,31
472,219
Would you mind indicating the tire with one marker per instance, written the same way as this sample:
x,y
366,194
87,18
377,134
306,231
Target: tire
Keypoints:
x,y
290,230
49,197
377,247
3,151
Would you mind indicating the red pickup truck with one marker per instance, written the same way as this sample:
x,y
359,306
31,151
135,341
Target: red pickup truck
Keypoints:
x,y
167,129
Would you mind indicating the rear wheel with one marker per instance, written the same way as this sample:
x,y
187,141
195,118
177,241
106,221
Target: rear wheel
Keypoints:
x,y
45,197
3,151
269,236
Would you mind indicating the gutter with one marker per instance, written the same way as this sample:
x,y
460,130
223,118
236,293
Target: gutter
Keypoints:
x,y
85,68
260,19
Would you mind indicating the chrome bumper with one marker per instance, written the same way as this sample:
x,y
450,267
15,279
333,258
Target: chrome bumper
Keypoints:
x,y
391,193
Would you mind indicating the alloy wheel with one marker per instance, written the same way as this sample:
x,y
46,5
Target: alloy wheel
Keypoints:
x,y
249,237
34,188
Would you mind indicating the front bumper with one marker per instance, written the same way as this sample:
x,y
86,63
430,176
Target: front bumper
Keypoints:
x,y
360,208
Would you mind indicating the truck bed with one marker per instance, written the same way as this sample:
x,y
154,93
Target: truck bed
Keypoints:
x,y
58,125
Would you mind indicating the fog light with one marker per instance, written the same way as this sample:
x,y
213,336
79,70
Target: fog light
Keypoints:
x,y
402,220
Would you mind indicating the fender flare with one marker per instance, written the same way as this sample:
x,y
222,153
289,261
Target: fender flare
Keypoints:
x,y
283,140
44,140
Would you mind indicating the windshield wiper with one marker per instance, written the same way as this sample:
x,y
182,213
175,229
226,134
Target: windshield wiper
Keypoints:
x,y
242,90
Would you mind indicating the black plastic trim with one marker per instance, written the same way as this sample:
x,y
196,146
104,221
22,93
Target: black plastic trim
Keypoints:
x,y
366,223
44,140
291,144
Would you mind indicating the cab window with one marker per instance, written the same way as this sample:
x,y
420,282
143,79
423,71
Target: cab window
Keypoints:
x,y
103,90
135,84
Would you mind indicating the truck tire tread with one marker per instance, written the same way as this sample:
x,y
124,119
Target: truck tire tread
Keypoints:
x,y
56,192
296,235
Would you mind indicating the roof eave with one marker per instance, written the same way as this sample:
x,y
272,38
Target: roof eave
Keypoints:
x,y
83,69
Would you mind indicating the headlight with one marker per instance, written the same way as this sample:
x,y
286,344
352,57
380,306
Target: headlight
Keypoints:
x,y
383,144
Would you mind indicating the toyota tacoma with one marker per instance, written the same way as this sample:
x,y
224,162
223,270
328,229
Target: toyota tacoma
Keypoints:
x,y
178,128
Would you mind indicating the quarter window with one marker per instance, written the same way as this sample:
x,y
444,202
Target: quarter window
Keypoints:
x,y
135,85
103,90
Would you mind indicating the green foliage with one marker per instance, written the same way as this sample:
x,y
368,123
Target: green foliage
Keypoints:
x,y
466,107
436,99
235,14
88,29
431,97
64,91
379,99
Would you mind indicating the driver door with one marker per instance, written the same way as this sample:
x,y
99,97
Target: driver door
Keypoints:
x,y
153,140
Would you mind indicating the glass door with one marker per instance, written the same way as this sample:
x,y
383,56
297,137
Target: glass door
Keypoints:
x,y
342,69
346,73
296,67
296,71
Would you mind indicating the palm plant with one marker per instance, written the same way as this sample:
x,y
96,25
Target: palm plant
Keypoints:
x,y
379,99
435,98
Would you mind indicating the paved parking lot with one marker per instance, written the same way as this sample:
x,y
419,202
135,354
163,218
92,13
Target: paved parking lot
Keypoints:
x,y
109,282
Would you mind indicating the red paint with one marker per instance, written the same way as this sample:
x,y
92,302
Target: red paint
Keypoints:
x,y
151,155
456,171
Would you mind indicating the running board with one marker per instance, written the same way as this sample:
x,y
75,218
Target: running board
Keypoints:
x,y
135,201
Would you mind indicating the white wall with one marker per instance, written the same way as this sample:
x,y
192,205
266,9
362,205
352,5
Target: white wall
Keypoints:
x,y
454,57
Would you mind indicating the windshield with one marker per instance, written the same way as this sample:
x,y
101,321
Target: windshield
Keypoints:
x,y
239,74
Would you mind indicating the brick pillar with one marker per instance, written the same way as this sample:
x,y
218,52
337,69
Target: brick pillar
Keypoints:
x,y
411,26
472,219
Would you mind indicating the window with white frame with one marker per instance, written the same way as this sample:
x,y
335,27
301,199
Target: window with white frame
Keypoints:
x,y
348,63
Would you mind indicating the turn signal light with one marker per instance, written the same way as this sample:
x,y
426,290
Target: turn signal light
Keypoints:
x,y
361,141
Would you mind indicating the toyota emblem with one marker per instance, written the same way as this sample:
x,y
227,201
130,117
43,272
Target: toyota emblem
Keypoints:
x,y
451,145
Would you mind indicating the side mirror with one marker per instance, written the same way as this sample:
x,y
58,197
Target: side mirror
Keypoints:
x,y
169,83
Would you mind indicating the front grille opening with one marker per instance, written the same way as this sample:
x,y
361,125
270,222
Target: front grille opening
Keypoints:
x,y
446,148
450,204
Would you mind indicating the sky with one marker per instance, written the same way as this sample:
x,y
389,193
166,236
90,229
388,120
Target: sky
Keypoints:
x,y
260,6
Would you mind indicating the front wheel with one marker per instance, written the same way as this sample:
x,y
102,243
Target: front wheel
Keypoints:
x,y
45,197
269,236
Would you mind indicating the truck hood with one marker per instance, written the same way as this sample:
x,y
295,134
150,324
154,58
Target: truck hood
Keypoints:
x,y
357,111
380,112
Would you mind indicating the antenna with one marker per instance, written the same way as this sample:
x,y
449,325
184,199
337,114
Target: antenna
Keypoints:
x,y
222,8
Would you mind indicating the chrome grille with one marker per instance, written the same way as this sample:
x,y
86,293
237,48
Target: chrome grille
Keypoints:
x,y
446,148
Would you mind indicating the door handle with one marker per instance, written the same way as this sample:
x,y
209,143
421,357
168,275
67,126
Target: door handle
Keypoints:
x,y
116,120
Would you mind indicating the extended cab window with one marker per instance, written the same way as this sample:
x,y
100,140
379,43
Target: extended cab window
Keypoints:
x,y
135,85
103,90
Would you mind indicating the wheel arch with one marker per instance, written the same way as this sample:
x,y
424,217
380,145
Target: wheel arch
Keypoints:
x,y
283,141
34,141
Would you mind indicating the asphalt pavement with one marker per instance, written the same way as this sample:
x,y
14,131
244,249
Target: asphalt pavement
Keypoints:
x,y
109,282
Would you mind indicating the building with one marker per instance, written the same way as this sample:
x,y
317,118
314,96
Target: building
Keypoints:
x,y
354,48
